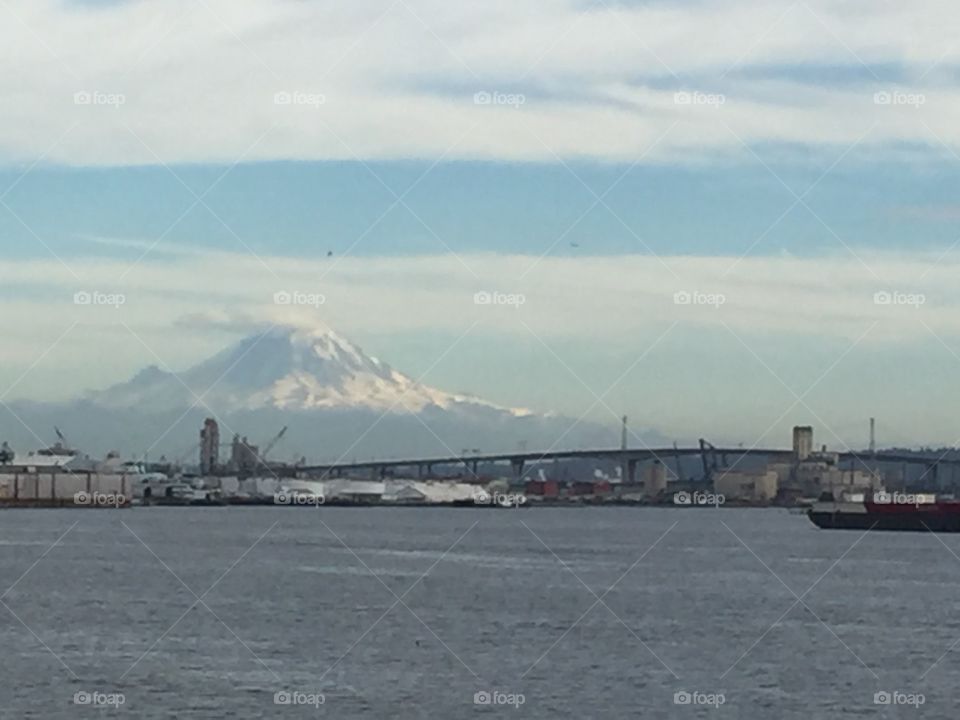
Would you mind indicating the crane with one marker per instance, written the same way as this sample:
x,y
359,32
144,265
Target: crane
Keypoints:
x,y
270,445
183,458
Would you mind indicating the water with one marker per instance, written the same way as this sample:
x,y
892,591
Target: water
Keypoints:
x,y
305,600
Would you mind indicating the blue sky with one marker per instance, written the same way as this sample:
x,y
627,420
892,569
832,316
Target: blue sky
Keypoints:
x,y
499,124
310,208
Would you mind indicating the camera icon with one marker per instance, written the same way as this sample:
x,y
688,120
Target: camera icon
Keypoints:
x,y
82,298
682,98
882,298
282,697
682,498
682,697
282,298
282,98
682,298
482,298
882,697
82,98
882,98
82,698
882,498
482,698
482,98
481,497
81,498
282,498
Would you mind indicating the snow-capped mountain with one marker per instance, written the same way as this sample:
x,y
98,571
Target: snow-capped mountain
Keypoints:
x,y
290,369
338,403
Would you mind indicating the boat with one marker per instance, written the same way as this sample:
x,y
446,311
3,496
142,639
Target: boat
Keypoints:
x,y
908,512
183,494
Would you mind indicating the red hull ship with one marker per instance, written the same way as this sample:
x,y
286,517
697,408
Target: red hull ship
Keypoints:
x,y
888,511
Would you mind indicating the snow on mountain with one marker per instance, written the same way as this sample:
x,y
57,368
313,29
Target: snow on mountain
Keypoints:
x,y
338,402
290,369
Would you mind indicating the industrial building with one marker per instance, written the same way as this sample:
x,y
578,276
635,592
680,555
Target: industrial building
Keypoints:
x,y
813,473
209,447
755,487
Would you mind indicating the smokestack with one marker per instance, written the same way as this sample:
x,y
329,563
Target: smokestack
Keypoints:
x,y
623,434
873,436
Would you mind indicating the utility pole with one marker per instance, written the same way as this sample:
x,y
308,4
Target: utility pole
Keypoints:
x,y
624,462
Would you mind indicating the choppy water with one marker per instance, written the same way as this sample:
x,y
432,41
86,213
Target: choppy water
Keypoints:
x,y
306,601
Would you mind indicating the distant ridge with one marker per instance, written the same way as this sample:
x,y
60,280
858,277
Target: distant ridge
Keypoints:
x,y
338,402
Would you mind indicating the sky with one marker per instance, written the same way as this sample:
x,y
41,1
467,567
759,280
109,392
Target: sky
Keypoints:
x,y
723,219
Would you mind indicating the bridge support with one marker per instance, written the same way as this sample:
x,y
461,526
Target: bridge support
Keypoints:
x,y
517,465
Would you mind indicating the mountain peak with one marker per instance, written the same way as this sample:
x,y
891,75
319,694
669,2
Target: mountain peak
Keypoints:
x,y
289,368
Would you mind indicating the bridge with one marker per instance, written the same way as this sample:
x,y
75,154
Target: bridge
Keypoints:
x,y
712,458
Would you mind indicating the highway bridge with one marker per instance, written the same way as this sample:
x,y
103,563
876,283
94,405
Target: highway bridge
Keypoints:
x,y
712,458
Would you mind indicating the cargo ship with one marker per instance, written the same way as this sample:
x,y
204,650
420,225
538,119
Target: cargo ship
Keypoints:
x,y
921,512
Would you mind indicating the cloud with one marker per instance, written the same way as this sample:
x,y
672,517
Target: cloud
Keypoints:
x,y
248,80
562,297
535,331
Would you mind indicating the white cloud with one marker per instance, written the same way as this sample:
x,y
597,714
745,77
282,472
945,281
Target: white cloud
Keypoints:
x,y
601,298
597,316
198,80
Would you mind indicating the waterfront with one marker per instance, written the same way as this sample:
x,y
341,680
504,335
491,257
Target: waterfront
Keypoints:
x,y
287,593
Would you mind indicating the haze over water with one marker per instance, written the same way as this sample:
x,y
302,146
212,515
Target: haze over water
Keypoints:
x,y
306,601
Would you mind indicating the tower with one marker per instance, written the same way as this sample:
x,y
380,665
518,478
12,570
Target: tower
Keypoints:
x,y
802,442
209,447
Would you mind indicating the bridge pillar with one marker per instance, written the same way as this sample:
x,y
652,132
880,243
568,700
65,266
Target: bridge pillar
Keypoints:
x,y
517,465
473,468
420,471
631,475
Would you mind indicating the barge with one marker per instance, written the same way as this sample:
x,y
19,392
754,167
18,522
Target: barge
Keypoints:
x,y
903,512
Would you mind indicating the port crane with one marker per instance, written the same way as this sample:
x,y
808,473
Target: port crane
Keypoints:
x,y
61,436
270,445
